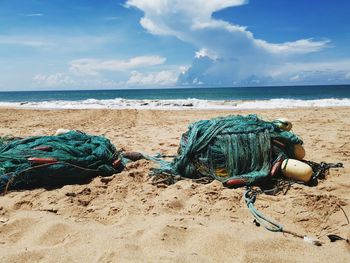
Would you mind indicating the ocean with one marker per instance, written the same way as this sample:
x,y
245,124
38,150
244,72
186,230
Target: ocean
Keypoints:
x,y
180,98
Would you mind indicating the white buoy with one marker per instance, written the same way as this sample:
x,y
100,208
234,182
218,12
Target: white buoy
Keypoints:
x,y
296,170
61,131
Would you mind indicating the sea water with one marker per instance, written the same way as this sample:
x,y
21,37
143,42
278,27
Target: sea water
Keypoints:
x,y
183,98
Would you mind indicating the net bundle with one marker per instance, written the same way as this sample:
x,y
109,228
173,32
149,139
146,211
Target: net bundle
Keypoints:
x,y
51,160
230,147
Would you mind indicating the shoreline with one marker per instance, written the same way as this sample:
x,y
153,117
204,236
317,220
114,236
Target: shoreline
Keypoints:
x,y
178,104
316,108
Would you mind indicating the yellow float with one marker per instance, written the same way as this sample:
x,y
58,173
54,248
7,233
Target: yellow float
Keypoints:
x,y
299,152
296,170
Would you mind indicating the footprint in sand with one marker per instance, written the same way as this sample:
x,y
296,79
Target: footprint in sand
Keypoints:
x,y
55,234
15,230
23,205
175,204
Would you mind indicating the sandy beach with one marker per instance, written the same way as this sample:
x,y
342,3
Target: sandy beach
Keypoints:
x,y
125,218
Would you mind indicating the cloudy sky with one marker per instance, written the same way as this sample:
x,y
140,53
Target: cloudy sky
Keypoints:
x,y
95,44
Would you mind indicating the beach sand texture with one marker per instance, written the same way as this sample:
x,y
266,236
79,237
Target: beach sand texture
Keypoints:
x,y
124,218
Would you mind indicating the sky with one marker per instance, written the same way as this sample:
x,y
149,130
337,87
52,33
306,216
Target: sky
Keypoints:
x,y
118,44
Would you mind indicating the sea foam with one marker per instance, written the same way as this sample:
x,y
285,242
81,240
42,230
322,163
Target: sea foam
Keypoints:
x,y
177,104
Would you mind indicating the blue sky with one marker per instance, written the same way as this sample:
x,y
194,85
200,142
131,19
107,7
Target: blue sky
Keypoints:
x,y
92,44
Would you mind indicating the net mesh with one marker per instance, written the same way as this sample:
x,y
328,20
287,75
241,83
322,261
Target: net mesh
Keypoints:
x,y
77,156
230,147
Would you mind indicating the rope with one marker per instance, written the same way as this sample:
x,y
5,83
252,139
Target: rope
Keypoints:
x,y
320,169
269,224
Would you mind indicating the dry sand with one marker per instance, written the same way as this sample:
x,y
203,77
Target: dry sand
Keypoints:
x,y
125,218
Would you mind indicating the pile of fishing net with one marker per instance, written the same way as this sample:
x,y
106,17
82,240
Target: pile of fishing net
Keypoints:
x,y
56,160
236,150
243,151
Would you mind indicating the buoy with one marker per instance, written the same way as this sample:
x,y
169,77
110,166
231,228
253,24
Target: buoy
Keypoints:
x,y
275,168
38,160
237,182
299,152
61,131
283,124
116,163
44,148
296,170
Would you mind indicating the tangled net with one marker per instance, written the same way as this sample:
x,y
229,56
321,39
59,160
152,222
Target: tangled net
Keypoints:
x,y
232,147
52,160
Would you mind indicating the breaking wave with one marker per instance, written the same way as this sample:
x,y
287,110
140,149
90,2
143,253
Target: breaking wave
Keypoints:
x,y
120,103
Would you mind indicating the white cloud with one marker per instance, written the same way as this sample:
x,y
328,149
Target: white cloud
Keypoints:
x,y
299,46
287,68
193,22
177,17
53,80
90,73
94,66
331,72
206,53
161,78
295,78
58,43
22,41
234,53
34,15
66,81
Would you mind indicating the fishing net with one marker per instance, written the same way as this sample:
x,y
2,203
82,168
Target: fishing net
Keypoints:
x,y
52,160
232,147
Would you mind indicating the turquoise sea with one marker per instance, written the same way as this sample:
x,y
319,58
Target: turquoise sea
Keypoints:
x,y
234,97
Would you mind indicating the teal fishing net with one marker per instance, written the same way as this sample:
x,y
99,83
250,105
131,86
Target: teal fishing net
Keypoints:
x,y
52,160
230,147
